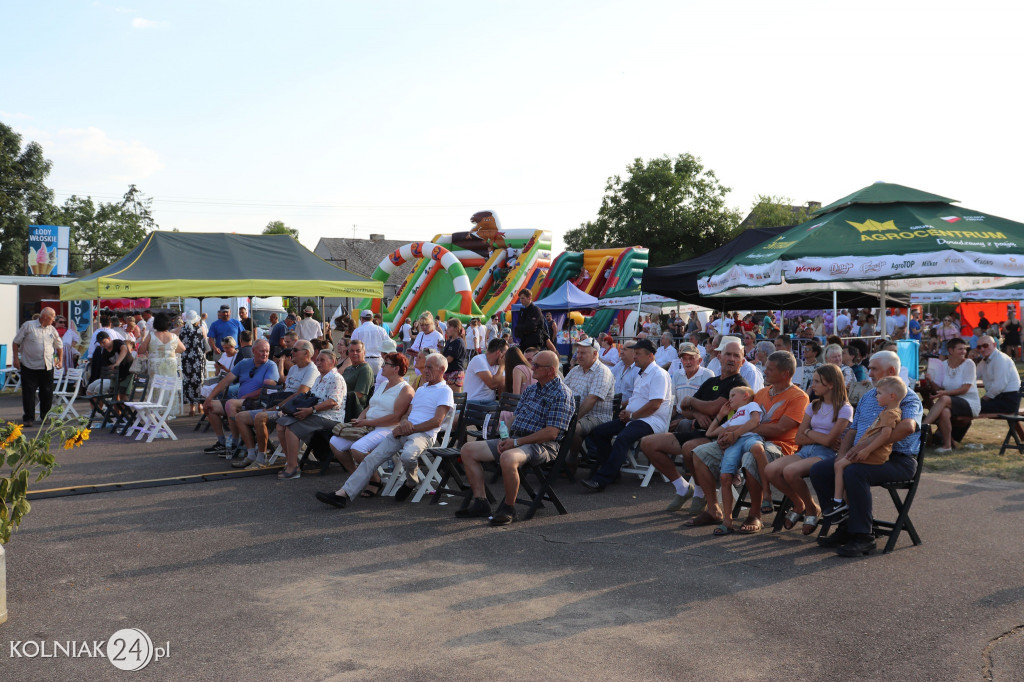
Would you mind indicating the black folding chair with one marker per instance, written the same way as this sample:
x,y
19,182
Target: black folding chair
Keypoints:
x,y
103,401
452,480
892,529
546,474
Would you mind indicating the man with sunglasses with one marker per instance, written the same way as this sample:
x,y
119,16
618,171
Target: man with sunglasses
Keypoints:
x,y
999,376
541,418
251,375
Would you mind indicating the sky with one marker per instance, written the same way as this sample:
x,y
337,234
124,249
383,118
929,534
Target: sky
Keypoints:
x,y
405,118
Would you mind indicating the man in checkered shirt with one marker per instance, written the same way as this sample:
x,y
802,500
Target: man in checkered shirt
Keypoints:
x,y
592,382
541,419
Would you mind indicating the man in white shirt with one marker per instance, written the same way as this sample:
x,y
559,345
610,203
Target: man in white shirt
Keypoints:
x,y
897,324
625,371
843,323
666,353
999,375
414,434
94,345
752,374
308,328
405,334
476,337
485,374
647,412
373,337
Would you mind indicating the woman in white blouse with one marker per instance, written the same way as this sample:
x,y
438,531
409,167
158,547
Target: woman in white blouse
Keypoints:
x,y
958,396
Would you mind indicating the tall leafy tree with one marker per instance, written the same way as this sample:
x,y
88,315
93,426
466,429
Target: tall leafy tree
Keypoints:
x,y
24,197
772,211
278,227
674,207
102,233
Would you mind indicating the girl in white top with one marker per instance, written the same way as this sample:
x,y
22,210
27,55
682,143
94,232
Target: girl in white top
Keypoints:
x,y
389,403
428,337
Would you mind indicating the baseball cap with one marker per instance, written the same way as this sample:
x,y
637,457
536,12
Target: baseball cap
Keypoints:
x,y
291,316
727,340
688,349
644,344
587,343
366,314
226,307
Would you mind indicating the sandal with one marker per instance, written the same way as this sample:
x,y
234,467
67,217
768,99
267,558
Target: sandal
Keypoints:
x,y
284,474
792,518
702,519
767,507
751,521
810,523
378,486
723,530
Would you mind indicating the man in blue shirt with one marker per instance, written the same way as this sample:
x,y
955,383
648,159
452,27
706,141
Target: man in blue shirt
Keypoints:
x,y
252,375
223,326
854,536
914,326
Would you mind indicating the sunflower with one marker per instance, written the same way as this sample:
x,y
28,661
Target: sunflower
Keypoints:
x,y
14,435
80,436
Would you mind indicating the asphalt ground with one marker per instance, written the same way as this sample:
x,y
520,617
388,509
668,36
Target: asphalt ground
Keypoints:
x,y
254,579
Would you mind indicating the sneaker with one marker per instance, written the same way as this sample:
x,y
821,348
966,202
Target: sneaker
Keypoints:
x,y
478,509
841,509
678,501
243,463
216,449
504,515
339,501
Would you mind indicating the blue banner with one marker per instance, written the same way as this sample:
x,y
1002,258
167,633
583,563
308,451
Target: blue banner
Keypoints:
x,y
80,313
48,250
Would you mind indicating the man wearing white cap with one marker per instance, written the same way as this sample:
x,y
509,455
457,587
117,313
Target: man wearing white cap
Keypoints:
x,y
752,374
373,337
592,382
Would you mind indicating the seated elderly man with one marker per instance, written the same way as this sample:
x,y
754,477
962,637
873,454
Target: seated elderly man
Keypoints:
x,y
782,405
666,353
647,412
252,376
414,434
853,536
999,376
689,377
696,412
749,372
592,382
625,371
253,425
541,418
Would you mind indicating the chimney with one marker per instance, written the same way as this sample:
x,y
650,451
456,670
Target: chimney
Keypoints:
x,y
813,205
380,237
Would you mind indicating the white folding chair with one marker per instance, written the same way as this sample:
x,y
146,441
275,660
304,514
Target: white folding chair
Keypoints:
x,y
67,392
432,475
12,379
153,413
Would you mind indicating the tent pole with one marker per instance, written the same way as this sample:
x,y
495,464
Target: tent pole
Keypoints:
x,y
835,312
881,311
639,305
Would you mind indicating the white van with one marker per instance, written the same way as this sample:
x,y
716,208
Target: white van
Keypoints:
x,y
259,308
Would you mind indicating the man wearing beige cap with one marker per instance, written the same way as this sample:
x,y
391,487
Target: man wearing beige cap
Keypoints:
x,y
690,376
592,382
308,328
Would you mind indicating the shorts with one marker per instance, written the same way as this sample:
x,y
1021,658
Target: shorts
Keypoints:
x,y
730,463
685,431
272,416
587,424
958,407
822,452
711,455
455,377
536,453
365,445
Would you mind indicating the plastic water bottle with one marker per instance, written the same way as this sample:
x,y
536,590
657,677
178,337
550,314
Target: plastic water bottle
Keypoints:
x,y
502,429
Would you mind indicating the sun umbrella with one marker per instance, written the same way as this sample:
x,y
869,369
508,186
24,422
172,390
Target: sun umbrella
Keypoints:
x,y
900,238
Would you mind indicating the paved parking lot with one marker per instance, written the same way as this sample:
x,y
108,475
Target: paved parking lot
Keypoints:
x,y
254,579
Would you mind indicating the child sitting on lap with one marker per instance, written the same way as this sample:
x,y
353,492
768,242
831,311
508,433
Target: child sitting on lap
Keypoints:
x,y
874,447
745,418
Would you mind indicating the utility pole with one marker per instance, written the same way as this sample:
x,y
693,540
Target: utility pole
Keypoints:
x,y
353,232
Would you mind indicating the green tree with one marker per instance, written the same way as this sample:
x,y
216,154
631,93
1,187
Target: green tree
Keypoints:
x,y
772,211
24,197
278,227
102,233
674,207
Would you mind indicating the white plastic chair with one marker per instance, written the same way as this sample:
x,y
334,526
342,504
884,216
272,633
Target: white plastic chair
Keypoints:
x,y
433,464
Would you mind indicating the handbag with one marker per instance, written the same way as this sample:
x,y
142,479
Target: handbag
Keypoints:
x,y
275,398
139,366
350,432
299,402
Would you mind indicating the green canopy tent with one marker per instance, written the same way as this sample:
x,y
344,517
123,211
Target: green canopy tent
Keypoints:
x,y
221,265
888,236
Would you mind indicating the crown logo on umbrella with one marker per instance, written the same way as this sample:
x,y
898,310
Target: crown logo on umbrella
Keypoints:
x,y
873,226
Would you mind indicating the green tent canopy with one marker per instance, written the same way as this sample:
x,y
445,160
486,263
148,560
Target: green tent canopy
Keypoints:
x,y
912,241
218,264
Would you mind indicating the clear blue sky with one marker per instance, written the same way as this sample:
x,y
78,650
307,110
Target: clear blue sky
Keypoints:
x,y
407,117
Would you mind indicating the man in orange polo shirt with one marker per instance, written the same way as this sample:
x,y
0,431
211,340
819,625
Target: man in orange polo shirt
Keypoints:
x,y
783,405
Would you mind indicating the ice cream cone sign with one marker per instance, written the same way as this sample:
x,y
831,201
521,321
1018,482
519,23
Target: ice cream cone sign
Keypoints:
x,y
41,261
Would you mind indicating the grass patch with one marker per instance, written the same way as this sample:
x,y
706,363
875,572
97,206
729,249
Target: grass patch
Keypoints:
x,y
984,462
